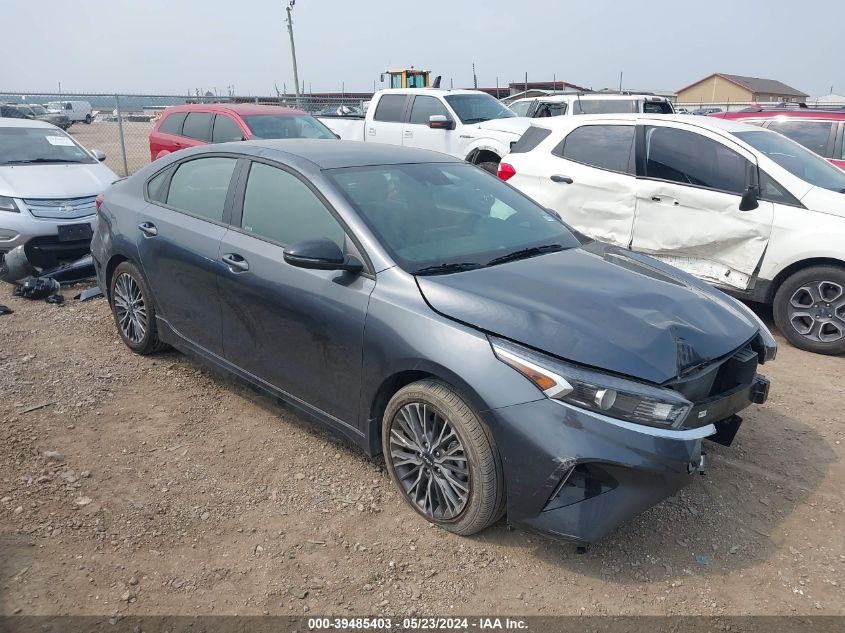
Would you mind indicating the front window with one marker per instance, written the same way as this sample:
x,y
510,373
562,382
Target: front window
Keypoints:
x,y
30,146
440,214
286,126
475,108
811,134
657,107
796,159
520,108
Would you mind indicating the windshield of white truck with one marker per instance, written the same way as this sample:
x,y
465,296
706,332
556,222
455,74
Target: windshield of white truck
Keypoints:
x,y
475,108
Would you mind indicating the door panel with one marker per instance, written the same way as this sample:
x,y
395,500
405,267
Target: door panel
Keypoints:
x,y
696,224
388,120
417,132
297,329
585,180
178,249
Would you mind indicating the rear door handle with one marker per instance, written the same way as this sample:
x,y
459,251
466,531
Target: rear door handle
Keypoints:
x,y
148,229
235,262
674,202
408,134
564,179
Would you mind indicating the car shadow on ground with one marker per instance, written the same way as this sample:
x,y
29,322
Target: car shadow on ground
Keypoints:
x,y
726,520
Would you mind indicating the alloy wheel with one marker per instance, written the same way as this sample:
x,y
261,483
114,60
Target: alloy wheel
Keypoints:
x,y
430,461
130,308
817,311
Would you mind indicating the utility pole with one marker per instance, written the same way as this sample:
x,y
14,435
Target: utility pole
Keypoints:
x,y
620,82
474,77
293,49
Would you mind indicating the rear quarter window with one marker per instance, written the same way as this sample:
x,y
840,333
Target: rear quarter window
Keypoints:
x,y
172,123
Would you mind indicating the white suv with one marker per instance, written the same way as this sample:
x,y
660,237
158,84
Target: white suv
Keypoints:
x,y
744,208
576,103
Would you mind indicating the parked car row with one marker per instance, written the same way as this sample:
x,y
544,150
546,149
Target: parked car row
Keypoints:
x,y
737,205
35,112
577,103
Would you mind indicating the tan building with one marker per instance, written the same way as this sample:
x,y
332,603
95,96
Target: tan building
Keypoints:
x,y
722,88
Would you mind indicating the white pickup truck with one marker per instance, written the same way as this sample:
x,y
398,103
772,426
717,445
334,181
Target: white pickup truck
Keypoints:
x,y
467,124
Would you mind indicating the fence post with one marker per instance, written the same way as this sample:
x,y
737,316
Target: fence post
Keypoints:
x,y
120,132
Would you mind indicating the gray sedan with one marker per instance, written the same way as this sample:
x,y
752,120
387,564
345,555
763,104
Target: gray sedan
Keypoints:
x,y
425,310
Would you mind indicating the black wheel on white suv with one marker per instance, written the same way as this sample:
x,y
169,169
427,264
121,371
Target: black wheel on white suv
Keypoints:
x,y
809,309
442,458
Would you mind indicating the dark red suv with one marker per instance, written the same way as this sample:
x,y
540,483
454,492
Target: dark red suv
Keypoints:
x,y
820,131
198,124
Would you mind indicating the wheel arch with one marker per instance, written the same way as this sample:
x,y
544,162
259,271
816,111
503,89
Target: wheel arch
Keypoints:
x,y
795,267
404,377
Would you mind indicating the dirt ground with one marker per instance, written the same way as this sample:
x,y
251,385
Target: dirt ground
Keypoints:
x,y
105,136
133,485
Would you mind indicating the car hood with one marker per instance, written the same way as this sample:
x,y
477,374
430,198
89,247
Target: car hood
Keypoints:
x,y
511,125
600,306
825,201
54,181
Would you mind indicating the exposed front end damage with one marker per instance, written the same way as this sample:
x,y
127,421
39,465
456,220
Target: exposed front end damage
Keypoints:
x,y
27,262
576,475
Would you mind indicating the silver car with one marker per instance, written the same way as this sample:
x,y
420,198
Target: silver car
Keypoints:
x,y
48,187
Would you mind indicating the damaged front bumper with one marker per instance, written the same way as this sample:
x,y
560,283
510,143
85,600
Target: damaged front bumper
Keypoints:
x,y
16,266
576,475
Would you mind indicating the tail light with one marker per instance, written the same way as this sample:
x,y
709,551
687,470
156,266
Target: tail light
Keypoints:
x,y
506,171
99,202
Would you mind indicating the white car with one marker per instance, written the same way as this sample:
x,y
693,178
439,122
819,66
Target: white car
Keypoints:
x,y
576,103
48,186
467,124
741,207
75,111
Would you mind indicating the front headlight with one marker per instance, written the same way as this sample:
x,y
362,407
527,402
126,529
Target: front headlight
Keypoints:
x,y
8,204
602,393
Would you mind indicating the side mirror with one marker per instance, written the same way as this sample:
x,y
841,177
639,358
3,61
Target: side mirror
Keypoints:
x,y
322,254
440,122
748,202
553,213
98,154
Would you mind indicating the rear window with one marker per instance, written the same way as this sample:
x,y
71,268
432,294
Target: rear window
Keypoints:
x,y
657,107
603,146
200,186
390,108
172,123
604,106
197,125
532,138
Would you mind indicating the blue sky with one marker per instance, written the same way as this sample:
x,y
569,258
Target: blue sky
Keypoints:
x,y
173,46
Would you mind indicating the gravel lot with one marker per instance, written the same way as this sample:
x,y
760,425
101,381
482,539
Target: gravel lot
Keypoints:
x,y
149,486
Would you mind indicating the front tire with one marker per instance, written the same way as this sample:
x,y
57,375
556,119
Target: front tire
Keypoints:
x,y
442,458
491,166
88,119
134,313
809,309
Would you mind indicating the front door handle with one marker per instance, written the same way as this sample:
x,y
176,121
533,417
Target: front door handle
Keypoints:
x,y
235,262
148,229
564,179
408,134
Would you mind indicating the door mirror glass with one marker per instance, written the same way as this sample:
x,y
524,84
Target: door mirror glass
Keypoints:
x,y
749,200
322,254
440,122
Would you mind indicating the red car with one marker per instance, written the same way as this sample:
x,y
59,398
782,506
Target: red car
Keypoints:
x,y
198,124
820,131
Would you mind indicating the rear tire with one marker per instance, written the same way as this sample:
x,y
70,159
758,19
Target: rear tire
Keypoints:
x,y
442,458
134,313
88,119
490,166
809,309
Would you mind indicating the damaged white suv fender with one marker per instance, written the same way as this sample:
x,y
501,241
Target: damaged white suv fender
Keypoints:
x,y
741,207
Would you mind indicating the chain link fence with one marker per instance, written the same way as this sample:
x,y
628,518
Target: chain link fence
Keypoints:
x,y
120,125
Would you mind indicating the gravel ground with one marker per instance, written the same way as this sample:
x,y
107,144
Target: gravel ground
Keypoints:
x,y
133,485
105,136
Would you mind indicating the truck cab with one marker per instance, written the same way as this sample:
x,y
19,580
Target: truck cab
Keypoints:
x,y
468,124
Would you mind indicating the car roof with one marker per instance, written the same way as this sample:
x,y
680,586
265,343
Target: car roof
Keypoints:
x,y
9,122
590,97
242,109
706,122
825,115
434,91
331,154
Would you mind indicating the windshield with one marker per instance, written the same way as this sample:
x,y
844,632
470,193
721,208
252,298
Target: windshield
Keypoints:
x,y
796,159
23,145
286,126
475,108
440,214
